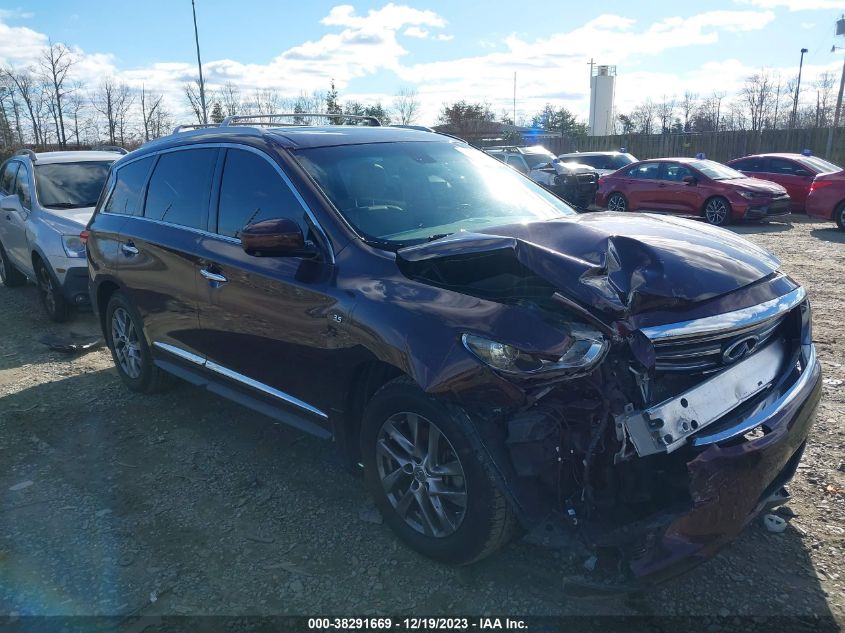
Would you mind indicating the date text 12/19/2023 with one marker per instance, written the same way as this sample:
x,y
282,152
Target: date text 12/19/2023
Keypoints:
x,y
416,624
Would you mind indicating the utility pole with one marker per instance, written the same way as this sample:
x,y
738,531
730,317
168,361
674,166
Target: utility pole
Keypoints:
x,y
514,97
592,100
797,88
199,63
840,30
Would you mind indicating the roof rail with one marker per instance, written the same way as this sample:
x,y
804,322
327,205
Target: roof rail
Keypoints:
x,y
27,152
110,148
250,119
193,126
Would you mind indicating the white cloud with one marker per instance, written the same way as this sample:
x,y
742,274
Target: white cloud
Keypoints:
x,y
15,14
443,37
416,31
795,5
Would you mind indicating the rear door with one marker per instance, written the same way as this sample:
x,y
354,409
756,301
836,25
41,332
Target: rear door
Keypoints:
x,y
793,176
7,188
266,321
642,187
157,260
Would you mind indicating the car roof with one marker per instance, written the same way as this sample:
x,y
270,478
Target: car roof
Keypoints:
x,y
791,155
295,136
84,156
609,153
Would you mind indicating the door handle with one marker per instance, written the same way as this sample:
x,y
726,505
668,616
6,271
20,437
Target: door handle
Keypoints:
x,y
212,276
129,249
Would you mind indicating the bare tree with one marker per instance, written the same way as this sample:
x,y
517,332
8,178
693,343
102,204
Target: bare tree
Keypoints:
x,y
643,116
150,103
74,107
825,83
113,101
11,106
24,83
406,106
192,96
666,112
758,94
230,99
688,106
56,61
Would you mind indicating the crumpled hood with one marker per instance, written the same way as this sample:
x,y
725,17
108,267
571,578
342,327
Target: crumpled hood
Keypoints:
x,y
617,263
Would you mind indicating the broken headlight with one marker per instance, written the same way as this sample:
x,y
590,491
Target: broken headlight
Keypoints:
x,y
583,354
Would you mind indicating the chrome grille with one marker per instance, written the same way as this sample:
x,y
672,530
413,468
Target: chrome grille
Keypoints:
x,y
714,351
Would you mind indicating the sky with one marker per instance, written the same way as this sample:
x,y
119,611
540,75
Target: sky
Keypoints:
x,y
446,50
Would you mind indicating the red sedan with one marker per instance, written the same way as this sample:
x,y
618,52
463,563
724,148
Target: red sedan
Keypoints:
x,y
692,187
815,185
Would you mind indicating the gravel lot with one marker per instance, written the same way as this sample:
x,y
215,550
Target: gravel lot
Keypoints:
x,y
113,503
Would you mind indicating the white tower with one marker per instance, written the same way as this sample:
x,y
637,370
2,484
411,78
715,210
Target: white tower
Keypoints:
x,y
602,83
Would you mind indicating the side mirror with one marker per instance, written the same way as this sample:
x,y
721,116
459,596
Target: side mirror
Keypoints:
x,y
11,203
277,237
690,180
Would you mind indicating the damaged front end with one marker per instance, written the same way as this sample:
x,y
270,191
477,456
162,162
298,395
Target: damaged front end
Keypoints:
x,y
648,440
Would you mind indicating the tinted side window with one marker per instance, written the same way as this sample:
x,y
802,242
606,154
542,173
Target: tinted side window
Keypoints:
x,y
22,189
180,187
129,182
676,172
748,164
782,166
7,178
252,190
649,170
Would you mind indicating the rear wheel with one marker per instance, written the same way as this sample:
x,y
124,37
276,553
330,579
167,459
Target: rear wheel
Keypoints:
x,y
717,211
10,276
129,349
58,309
839,215
617,202
426,478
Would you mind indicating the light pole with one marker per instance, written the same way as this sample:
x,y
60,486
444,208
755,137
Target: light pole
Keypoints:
x,y
841,86
199,63
797,88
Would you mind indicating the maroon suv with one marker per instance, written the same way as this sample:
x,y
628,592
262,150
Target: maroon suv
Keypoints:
x,y
692,187
496,362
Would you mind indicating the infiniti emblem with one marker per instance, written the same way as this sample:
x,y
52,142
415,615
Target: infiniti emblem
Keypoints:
x,y
739,349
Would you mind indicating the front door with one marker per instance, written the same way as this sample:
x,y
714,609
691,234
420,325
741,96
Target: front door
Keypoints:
x,y
676,195
795,178
266,321
157,257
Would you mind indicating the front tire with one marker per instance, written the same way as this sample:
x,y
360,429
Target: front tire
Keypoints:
x,y
717,211
10,276
129,349
617,202
426,478
54,302
839,216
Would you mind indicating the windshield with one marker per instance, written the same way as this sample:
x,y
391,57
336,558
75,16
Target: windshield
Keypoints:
x,y
601,161
716,171
70,185
820,164
535,159
405,193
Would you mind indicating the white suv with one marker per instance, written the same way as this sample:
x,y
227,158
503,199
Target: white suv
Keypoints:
x,y
46,199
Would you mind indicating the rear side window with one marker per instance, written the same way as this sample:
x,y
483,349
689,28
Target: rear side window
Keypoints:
x,y
129,184
252,190
7,178
180,187
748,164
646,171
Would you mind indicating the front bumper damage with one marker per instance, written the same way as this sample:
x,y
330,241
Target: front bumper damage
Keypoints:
x,y
651,491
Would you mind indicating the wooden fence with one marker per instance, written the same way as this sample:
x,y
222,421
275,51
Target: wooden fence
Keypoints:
x,y
719,146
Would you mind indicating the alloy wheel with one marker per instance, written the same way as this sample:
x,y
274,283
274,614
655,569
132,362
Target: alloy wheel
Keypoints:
x,y
616,203
48,288
421,474
716,211
127,347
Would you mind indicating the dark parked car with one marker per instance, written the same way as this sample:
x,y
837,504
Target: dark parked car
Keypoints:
x,y
815,185
603,162
573,182
692,187
495,361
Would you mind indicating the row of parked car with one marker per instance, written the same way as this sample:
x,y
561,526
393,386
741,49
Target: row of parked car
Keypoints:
x,y
494,361
758,187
